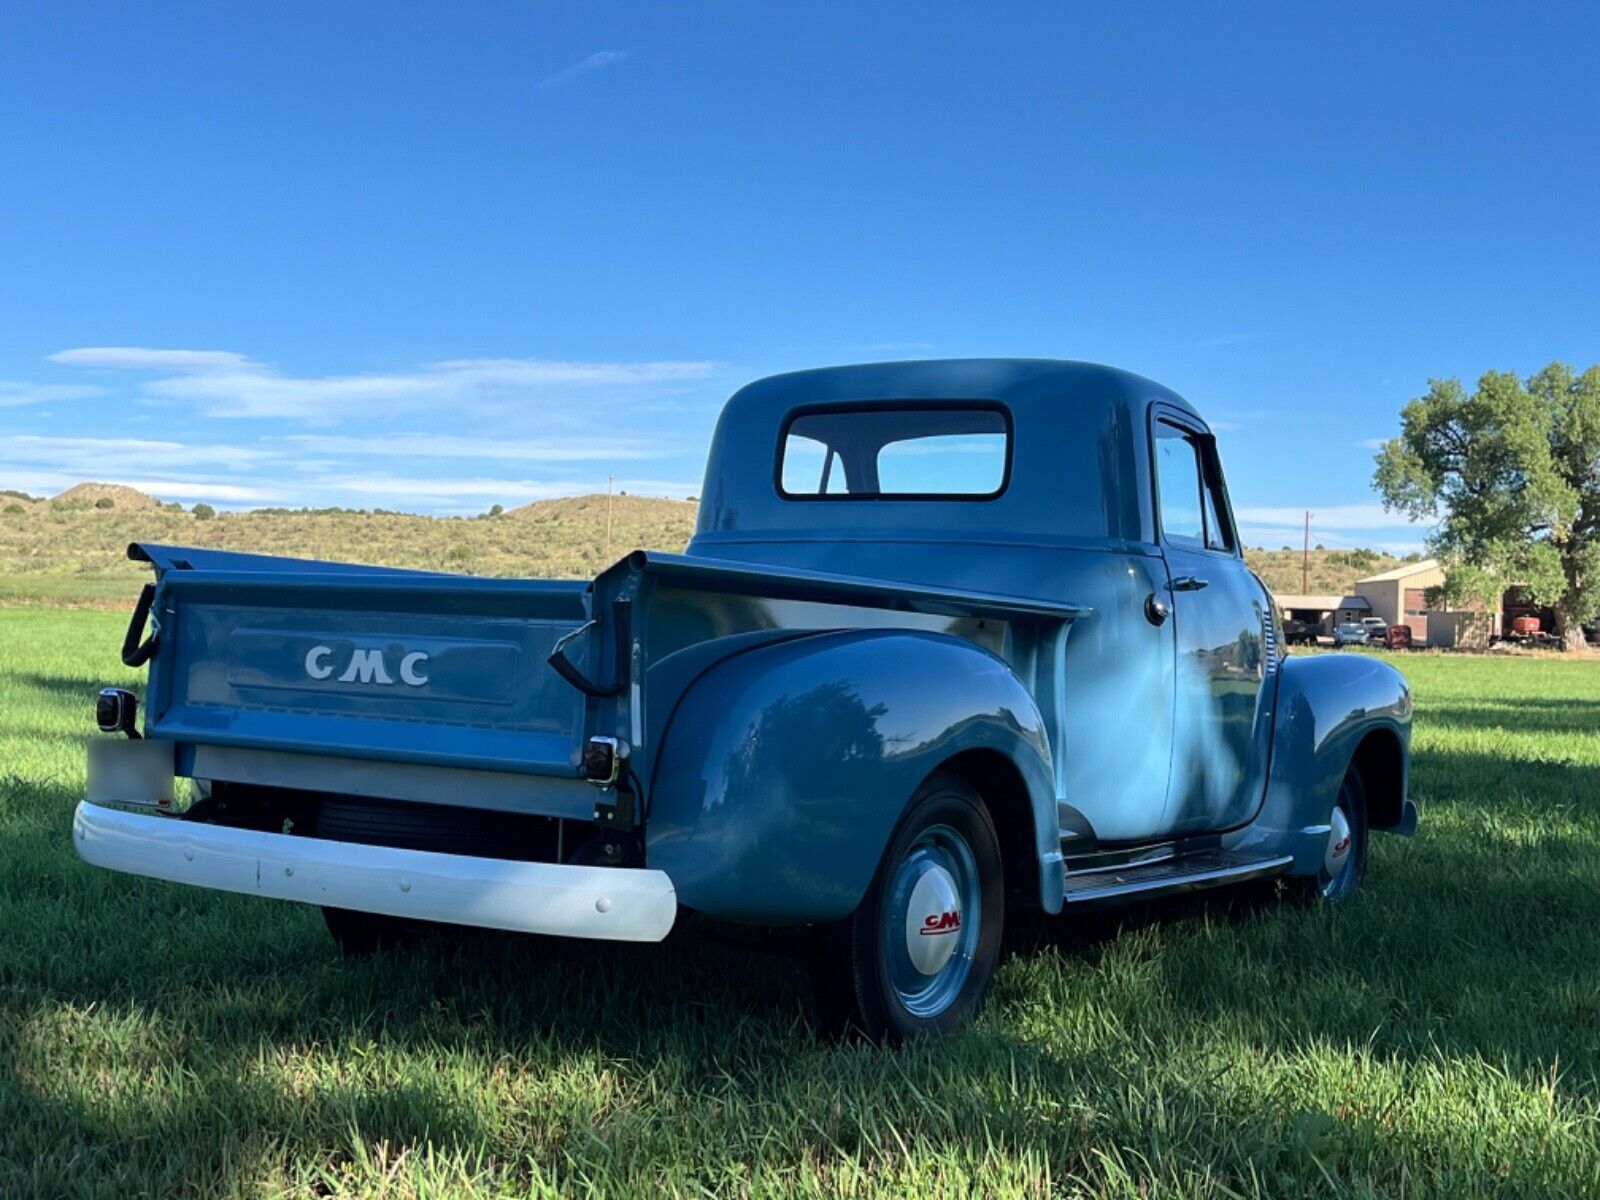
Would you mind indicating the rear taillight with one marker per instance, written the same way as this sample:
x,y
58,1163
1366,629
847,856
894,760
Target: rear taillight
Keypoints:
x,y
116,710
602,760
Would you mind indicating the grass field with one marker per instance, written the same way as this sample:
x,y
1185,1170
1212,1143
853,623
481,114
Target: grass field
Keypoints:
x,y
1439,1036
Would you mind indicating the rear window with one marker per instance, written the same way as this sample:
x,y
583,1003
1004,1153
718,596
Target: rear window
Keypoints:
x,y
901,452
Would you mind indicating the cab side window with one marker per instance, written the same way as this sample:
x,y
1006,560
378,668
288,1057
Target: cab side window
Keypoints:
x,y
1186,485
1178,487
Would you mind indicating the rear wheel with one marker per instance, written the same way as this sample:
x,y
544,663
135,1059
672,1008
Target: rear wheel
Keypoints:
x,y
917,955
403,825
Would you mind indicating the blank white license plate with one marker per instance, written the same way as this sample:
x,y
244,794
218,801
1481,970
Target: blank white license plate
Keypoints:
x,y
130,771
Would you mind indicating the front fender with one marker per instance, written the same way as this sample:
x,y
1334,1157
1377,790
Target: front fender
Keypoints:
x,y
1328,705
785,769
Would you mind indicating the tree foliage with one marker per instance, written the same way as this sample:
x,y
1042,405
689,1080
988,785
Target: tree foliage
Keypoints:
x,y
1511,472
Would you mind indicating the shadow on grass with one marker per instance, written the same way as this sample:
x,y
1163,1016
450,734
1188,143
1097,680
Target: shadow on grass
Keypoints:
x,y
1535,715
1479,944
268,1049
77,692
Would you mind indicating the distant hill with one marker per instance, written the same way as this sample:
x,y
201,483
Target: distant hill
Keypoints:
x,y
73,552
68,550
1330,570
105,495
635,521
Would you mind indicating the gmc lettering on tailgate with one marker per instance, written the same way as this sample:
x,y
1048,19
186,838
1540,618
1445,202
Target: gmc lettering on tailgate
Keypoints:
x,y
367,666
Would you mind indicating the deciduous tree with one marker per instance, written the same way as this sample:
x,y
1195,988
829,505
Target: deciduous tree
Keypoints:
x,y
1511,472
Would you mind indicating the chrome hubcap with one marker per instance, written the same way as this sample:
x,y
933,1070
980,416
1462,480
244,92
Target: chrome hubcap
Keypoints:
x,y
931,918
1336,859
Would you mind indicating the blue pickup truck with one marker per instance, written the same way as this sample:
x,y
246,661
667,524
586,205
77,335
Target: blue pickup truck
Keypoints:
x,y
953,641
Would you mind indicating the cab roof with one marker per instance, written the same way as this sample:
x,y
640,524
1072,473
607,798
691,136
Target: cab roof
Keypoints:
x,y
1079,459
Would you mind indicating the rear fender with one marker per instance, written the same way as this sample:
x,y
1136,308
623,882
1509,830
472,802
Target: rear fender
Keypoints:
x,y
785,769
1332,707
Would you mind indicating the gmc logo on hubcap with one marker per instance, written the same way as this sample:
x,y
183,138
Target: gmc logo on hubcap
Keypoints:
x,y
945,922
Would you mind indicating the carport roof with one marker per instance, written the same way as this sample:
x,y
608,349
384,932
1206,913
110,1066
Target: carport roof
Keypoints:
x,y
1327,602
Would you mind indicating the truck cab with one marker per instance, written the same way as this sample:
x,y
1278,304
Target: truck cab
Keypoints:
x,y
952,640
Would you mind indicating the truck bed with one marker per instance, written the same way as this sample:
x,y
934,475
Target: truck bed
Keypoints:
x,y
262,655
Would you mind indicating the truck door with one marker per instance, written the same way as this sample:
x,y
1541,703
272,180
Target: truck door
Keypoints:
x,y
1222,719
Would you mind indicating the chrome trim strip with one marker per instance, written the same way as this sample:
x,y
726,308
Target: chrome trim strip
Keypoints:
x,y
1172,882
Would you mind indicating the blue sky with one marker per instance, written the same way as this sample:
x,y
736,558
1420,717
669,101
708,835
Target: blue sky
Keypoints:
x,y
425,258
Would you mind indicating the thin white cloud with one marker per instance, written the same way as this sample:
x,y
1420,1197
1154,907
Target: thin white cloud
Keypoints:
x,y
529,450
1401,548
428,487
1274,537
561,426
324,487
224,383
1373,443
17,392
44,482
143,358
1332,516
96,458
433,488
598,61
1336,526
471,494
168,470
184,489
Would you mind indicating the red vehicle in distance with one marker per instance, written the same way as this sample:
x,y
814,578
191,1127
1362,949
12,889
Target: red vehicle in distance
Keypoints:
x,y
1397,637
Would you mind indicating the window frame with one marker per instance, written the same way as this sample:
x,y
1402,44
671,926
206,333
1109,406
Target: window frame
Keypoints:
x,y
1209,464
909,405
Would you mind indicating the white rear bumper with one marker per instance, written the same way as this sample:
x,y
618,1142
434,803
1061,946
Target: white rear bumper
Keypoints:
x,y
615,903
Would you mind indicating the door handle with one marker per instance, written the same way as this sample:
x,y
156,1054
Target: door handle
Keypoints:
x,y
1189,583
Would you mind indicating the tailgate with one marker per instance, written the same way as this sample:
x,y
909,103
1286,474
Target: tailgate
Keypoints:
x,y
421,668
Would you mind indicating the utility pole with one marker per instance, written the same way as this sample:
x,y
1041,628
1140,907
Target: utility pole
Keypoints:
x,y
610,479
1305,558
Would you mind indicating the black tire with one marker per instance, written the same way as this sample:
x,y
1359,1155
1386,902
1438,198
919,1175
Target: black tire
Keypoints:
x,y
361,934
858,962
1332,885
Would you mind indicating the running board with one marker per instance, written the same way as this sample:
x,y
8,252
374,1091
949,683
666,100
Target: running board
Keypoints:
x,y
1211,868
